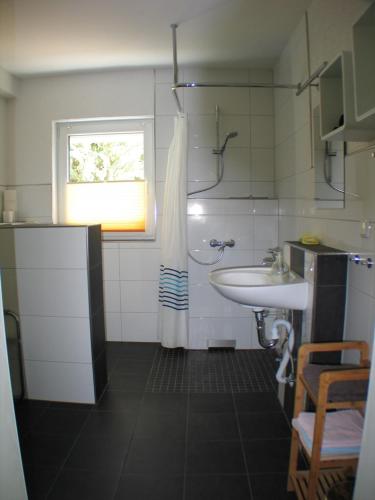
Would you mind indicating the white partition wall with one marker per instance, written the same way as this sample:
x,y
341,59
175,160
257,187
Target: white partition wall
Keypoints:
x,y
59,294
12,483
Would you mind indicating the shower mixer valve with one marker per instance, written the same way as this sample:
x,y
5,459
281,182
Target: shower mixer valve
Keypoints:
x,y
222,244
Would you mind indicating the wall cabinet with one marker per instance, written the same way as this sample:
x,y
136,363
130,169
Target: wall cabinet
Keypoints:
x,y
364,67
338,120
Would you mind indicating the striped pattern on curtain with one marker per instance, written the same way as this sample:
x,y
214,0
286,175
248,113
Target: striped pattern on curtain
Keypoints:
x,y
173,288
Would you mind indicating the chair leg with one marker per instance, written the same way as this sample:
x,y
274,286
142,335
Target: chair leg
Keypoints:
x,y
299,400
315,453
293,459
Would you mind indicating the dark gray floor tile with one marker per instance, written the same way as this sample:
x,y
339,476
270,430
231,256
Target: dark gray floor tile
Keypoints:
x,y
166,426
27,417
267,486
27,403
149,456
46,450
71,406
221,487
39,480
263,425
133,365
212,427
211,403
103,423
215,457
61,422
165,403
122,381
98,453
267,456
142,487
257,402
82,484
119,401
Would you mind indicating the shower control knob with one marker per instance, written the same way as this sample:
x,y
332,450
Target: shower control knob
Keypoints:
x,y
215,243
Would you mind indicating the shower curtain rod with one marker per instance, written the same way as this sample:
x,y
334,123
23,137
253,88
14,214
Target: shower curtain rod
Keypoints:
x,y
299,87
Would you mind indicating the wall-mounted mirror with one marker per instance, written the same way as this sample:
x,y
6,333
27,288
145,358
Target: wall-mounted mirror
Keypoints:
x,y
329,163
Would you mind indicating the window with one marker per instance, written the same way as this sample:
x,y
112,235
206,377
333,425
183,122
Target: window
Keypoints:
x,y
104,174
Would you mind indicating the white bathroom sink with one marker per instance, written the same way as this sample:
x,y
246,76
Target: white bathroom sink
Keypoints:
x,y
260,286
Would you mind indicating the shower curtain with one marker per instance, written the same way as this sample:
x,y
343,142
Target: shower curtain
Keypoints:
x,y
173,281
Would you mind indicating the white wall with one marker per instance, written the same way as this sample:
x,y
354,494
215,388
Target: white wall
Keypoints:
x,y
3,135
330,32
12,483
131,269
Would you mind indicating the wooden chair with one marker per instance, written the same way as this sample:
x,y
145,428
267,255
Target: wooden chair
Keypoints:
x,y
329,387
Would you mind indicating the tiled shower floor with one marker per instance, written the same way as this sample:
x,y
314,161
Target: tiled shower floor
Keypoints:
x,y
171,425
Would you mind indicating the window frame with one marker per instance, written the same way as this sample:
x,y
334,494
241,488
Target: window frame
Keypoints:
x,y
62,129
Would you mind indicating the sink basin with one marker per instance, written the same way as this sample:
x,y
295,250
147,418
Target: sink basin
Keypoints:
x,y
258,286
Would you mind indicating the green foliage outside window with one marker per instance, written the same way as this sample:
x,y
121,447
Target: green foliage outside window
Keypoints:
x,y
106,157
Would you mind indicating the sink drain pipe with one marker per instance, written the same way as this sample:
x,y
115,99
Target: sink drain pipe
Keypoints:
x,y
261,330
267,343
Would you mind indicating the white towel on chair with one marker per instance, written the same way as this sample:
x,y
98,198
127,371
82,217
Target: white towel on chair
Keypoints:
x,y
342,431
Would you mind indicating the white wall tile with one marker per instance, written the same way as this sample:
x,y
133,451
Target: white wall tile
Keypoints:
x,y
113,329
68,382
112,300
266,207
261,75
203,329
202,131
265,232
164,126
204,301
202,164
111,264
43,292
34,201
45,248
56,339
240,124
236,164
204,101
165,103
262,135
7,250
139,265
161,164
199,273
203,228
139,296
9,289
262,189
360,316
224,190
214,75
361,278
262,165
261,101
220,207
139,327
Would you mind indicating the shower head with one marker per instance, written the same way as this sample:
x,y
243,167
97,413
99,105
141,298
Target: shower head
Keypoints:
x,y
230,135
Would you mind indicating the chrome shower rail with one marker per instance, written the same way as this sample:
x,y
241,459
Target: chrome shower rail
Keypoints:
x,y
299,87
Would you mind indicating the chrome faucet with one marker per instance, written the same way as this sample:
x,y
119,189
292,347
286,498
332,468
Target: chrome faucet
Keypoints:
x,y
278,264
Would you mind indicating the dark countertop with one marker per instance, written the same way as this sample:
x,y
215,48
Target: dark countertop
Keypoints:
x,y
318,249
25,225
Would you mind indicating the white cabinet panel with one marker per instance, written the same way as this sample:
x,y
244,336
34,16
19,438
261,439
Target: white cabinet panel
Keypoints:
x,y
56,339
53,292
70,382
45,248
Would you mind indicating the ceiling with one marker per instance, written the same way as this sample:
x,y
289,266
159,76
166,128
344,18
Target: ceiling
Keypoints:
x,y
51,36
